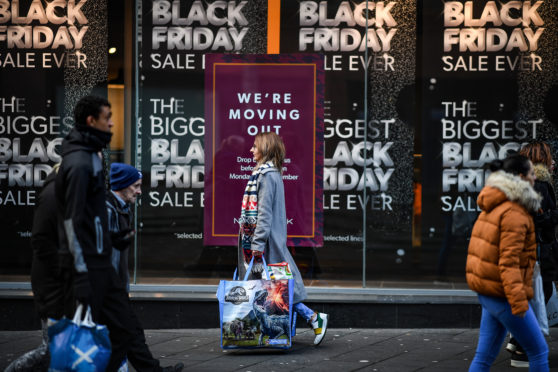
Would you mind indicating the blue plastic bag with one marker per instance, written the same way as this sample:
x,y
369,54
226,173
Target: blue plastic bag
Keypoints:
x,y
256,313
78,345
123,366
537,302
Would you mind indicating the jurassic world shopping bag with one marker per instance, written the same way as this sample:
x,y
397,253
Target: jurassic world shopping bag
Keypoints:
x,y
255,313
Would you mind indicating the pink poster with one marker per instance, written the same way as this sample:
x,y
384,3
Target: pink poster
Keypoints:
x,y
248,94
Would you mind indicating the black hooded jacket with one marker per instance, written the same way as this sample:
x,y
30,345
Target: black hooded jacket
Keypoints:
x,y
80,196
44,237
545,224
120,219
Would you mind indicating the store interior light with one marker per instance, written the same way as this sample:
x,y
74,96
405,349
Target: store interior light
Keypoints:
x,y
112,50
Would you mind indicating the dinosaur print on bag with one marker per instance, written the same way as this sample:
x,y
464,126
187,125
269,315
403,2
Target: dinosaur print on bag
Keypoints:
x,y
272,326
264,320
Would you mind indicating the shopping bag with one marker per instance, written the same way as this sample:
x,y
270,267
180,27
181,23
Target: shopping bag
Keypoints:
x,y
255,313
279,270
78,345
123,366
537,302
552,308
60,335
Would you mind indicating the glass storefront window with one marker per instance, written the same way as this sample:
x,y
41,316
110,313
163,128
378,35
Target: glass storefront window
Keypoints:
x,y
416,101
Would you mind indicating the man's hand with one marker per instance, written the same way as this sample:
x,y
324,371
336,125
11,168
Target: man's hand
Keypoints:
x,y
82,288
122,239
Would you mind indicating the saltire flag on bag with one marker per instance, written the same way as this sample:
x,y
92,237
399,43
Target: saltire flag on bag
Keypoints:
x,y
255,313
77,345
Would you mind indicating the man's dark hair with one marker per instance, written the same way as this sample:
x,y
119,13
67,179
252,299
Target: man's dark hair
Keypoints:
x,y
514,164
89,105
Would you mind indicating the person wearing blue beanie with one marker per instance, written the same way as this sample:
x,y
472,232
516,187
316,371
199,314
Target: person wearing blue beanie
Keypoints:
x,y
125,184
125,187
123,175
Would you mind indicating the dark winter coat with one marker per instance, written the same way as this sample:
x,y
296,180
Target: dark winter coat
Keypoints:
x,y
545,224
80,195
49,283
44,237
120,218
502,249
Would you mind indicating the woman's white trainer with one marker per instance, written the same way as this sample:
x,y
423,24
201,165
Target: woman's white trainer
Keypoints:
x,y
319,325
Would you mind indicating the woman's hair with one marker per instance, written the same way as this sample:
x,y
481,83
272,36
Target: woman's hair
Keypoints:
x,y
515,164
271,147
538,153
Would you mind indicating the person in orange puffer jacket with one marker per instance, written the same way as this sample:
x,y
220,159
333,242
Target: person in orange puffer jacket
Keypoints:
x,y
500,260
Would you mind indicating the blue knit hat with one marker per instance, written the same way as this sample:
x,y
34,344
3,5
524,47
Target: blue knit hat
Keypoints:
x,y
122,175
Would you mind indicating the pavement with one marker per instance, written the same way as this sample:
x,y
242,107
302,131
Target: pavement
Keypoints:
x,y
345,349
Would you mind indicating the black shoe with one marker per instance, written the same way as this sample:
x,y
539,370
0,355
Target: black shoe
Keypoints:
x,y
176,368
512,345
519,360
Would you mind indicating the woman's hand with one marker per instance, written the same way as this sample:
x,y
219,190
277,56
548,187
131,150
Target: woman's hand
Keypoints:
x,y
257,253
522,315
257,267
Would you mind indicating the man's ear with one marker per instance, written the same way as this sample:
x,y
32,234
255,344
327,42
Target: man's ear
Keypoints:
x,y
90,121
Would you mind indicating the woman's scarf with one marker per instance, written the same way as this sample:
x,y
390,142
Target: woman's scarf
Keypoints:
x,y
249,216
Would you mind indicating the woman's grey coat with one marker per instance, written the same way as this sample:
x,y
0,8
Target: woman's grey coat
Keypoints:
x,y
271,229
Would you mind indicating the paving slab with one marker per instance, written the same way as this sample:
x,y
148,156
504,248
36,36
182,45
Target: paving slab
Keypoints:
x,y
347,349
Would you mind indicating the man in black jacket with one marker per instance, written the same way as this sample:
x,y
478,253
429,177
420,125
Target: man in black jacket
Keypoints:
x,y
50,284
80,193
82,219
85,242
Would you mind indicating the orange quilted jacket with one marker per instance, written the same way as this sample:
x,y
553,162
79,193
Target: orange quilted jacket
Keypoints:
x,y
502,249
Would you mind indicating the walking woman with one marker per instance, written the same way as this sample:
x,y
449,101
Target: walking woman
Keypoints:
x,y
546,219
502,252
263,223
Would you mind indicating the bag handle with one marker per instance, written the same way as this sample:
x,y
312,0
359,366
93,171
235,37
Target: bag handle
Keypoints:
x,y
88,320
265,268
249,269
77,315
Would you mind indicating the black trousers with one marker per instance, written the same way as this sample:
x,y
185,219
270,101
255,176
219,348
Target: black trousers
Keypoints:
x,y
110,305
138,354
547,289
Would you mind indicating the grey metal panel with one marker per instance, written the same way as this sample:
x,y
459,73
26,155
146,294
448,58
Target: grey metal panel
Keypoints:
x,y
315,294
